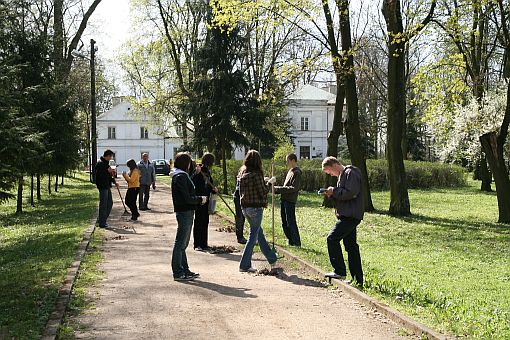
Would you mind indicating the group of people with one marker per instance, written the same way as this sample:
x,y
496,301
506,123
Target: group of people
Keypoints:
x,y
193,185
140,178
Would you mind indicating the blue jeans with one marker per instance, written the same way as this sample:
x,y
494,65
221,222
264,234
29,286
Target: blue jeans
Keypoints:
x,y
289,224
184,224
105,206
254,218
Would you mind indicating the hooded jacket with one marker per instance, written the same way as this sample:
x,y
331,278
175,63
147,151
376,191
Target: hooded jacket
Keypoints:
x,y
183,192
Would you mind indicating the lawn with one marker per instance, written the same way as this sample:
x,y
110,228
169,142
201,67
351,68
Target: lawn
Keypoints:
x,y
36,248
447,266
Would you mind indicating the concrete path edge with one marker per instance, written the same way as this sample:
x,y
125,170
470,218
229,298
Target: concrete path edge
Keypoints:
x,y
392,314
64,293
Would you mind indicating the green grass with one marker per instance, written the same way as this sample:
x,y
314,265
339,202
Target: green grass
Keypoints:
x,y
36,248
88,276
447,266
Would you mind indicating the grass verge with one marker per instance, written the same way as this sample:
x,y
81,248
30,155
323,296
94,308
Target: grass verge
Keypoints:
x,y
36,248
446,266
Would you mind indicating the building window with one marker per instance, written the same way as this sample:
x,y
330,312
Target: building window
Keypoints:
x,y
304,152
304,124
144,133
111,132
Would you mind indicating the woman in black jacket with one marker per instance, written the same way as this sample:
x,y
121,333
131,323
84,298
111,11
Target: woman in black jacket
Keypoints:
x,y
185,202
204,187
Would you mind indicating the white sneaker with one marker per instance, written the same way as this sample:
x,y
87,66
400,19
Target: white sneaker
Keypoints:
x,y
249,270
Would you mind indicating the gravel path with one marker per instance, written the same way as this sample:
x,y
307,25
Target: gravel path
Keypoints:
x,y
138,298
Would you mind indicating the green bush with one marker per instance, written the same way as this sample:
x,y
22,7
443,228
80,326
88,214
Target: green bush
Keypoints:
x,y
420,175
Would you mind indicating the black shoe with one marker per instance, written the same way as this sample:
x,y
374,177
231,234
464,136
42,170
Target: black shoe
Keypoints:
x,y
183,277
134,219
104,226
137,215
146,208
241,240
193,275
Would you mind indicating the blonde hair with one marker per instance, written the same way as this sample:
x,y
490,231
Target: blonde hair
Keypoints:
x,y
330,161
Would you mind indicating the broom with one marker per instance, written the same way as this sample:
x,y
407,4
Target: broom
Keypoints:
x,y
122,200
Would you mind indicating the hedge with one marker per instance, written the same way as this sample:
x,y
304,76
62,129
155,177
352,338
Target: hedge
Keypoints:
x,y
420,175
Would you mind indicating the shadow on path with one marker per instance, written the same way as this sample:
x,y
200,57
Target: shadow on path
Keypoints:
x,y
224,290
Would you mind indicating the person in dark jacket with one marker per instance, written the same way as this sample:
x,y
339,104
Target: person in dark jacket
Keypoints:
x,y
204,186
349,204
253,189
185,202
290,192
147,178
239,214
104,179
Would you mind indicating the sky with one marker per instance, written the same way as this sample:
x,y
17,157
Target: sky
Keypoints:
x,y
110,27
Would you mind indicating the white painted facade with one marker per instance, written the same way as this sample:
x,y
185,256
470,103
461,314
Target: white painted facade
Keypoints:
x,y
311,111
121,130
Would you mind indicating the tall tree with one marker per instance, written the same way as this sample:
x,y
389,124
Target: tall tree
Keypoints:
x,y
396,114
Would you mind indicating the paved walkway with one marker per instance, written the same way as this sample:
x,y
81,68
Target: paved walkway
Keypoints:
x,y
138,298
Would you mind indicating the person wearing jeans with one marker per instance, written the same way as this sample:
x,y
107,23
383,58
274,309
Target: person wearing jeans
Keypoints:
x,y
349,203
185,202
253,188
104,179
290,192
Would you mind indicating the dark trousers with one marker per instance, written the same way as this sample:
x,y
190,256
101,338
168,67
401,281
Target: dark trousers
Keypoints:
x,y
131,195
105,206
201,226
345,229
144,196
289,224
179,259
239,217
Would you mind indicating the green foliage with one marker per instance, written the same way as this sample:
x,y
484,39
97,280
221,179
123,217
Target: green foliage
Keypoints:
x,y
36,249
420,175
446,266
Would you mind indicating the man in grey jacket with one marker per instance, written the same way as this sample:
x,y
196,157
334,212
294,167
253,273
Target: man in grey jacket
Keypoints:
x,y
349,204
290,192
147,178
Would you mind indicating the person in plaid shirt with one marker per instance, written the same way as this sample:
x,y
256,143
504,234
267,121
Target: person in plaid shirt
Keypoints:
x,y
253,188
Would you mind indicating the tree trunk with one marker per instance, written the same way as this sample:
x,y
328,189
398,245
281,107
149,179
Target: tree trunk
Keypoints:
x,y
485,175
32,191
496,161
225,175
38,187
49,184
19,202
58,38
62,180
56,183
353,128
399,204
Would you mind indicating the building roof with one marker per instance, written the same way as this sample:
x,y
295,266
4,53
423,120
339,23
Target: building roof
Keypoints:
x,y
309,92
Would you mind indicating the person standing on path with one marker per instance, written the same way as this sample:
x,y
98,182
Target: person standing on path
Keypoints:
x,y
290,192
133,181
239,214
253,188
104,179
185,202
203,187
348,198
147,178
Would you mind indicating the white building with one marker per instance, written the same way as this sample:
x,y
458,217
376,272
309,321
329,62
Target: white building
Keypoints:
x,y
129,135
311,111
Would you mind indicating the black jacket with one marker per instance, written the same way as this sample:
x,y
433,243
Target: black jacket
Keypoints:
x,y
183,192
103,178
202,188
348,194
291,186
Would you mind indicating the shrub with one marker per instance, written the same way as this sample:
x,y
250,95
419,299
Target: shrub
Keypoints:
x,y
420,175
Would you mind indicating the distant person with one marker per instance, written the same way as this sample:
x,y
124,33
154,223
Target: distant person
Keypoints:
x,y
147,178
239,215
204,186
348,198
104,179
290,192
133,180
253,189
185,202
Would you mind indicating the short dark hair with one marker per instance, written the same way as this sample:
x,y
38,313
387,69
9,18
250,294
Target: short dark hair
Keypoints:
x,y
182,161
131,164
108,153
208,159
292,157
